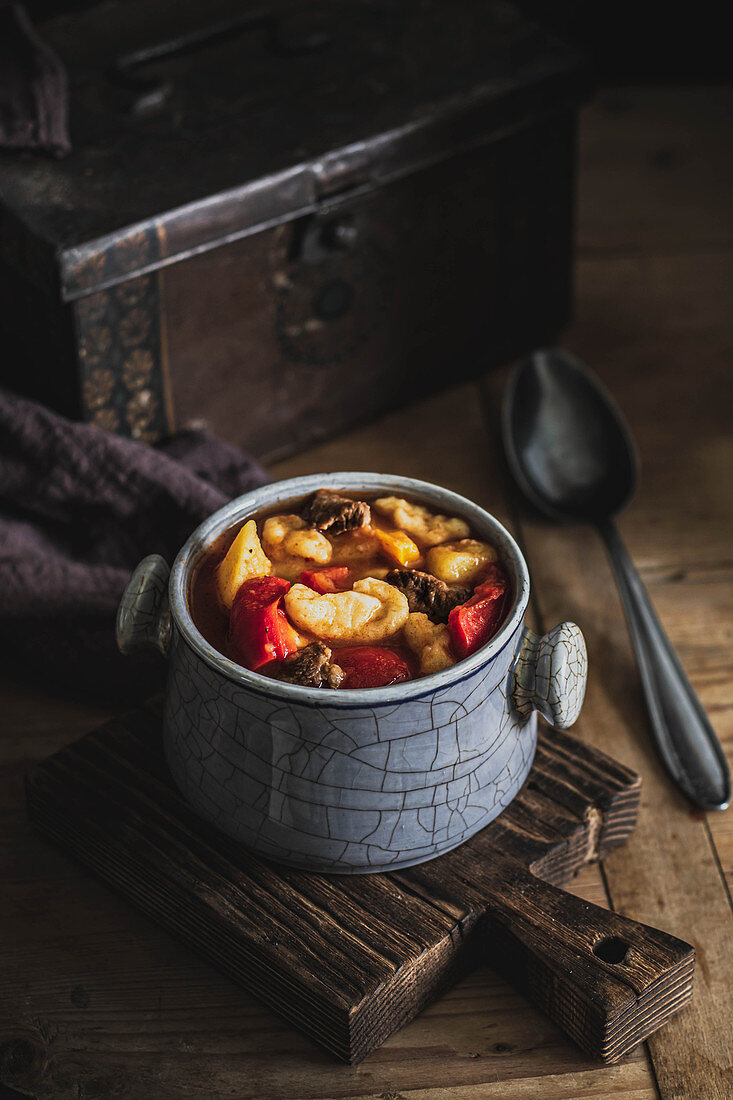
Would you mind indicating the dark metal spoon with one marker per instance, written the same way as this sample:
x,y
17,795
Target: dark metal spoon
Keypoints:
x,y
573,457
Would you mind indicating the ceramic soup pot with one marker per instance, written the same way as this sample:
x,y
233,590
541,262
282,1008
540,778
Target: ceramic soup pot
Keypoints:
x,y
358,780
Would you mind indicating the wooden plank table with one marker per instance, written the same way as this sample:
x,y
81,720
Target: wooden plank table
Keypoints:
x,y
96,1002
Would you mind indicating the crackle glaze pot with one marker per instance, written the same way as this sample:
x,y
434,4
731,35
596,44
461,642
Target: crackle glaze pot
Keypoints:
x,y
359,780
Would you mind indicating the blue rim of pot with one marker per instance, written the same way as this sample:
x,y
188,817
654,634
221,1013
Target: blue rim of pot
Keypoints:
x,y
246,506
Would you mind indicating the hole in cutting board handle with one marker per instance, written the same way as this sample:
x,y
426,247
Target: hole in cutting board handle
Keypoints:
x,y
612,949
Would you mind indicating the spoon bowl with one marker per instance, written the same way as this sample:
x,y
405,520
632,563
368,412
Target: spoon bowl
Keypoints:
x,y
567,443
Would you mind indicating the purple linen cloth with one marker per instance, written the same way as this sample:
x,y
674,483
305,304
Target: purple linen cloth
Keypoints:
x,y
78,509
33,87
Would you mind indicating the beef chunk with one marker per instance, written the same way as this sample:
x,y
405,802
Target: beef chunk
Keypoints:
x,y
311,667
427,594
329,511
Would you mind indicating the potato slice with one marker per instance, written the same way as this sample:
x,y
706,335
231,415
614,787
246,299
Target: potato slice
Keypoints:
x,y
460,562
244,559
428,528
398,547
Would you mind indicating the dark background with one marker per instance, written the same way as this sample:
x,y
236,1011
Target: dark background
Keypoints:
x,y
643,42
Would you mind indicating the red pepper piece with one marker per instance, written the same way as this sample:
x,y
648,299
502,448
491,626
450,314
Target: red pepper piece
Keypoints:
x,y
335,578
259,630
492,575
473,623
371,666
257,592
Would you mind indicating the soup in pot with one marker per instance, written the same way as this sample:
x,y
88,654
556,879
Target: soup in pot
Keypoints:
x,y
337,592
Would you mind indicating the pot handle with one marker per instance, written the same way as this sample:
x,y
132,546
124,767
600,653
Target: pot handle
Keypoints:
x,y
550,675
144,616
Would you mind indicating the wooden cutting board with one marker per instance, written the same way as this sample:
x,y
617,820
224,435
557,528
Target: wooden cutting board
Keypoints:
x,y
349,959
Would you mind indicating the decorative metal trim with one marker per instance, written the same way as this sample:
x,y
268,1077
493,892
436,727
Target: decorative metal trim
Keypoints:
x,y
120,360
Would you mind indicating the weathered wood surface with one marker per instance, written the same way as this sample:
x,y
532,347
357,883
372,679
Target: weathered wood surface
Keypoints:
x,y
117,1008
350,960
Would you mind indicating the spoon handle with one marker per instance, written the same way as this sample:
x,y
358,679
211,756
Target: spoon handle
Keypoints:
x,y
685,739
